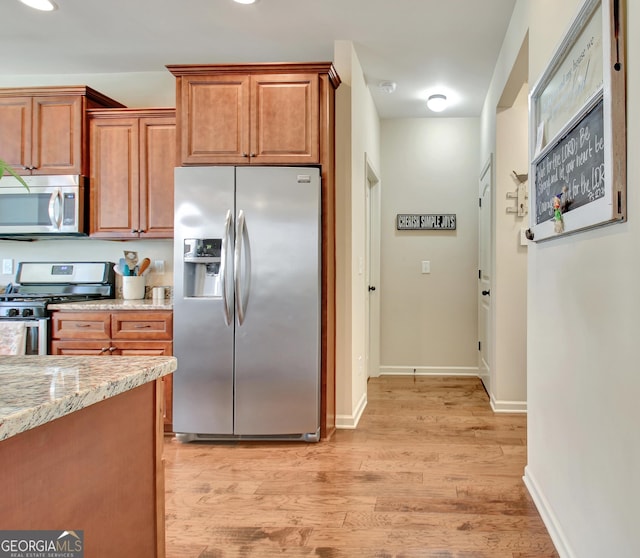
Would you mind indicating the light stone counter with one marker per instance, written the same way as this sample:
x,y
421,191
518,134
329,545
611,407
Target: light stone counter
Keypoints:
x,y
35,390
114,304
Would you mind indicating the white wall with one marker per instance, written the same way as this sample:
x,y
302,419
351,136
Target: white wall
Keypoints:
x,y
86,250
507,352
143,89
583,371
582,327
508,385
357,135
429,321
135,89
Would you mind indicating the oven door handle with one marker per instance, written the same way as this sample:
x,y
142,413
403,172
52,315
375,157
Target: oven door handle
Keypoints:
x,y
55,208
36,335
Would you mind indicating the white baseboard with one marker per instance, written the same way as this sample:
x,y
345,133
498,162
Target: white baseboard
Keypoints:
x,y
507,406
548,517
429,371
351,421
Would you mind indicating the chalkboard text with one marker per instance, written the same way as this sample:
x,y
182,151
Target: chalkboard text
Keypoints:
x,y
575,162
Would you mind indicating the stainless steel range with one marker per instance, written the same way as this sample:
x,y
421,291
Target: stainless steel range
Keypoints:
x,y
39,284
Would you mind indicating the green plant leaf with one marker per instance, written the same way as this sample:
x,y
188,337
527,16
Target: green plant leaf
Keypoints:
x,y
4,167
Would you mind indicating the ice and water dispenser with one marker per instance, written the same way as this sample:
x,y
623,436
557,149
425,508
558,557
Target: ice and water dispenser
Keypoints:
x,y
202,267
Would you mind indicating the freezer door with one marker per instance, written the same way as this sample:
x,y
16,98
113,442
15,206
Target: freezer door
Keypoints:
x,y
277,348
203,341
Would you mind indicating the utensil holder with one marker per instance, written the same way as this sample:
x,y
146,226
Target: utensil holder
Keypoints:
x,y
133,287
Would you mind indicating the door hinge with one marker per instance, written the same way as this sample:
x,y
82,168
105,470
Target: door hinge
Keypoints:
x,y
479,346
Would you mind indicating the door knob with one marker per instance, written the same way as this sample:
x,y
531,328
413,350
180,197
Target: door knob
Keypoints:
x,y
486,293
372,288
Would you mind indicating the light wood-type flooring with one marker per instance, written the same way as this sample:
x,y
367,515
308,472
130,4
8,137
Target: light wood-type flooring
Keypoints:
x,y
430,472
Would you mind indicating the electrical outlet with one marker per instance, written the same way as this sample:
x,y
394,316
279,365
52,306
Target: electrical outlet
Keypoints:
x,y
7,266
158,266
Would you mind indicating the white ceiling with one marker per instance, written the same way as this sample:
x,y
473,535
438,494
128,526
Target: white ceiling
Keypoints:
x,y
424,46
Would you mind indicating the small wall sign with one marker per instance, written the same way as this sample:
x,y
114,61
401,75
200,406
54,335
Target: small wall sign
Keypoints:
x,y
426,222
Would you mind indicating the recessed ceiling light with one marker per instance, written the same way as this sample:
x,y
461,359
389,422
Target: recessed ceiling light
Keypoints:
x,y
43,5
245,1
437,102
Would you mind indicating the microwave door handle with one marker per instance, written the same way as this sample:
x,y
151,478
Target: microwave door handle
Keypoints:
x,y
55,202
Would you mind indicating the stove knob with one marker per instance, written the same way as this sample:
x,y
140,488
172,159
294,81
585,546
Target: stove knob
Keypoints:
x,y
26,312
12,312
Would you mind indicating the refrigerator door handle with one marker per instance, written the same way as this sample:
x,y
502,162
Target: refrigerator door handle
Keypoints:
x,y
226,241
242,273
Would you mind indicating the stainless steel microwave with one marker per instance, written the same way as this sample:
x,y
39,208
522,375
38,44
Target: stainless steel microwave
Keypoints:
x,y
53,205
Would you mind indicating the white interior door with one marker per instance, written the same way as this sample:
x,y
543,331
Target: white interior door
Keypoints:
x,y
372,270
484,275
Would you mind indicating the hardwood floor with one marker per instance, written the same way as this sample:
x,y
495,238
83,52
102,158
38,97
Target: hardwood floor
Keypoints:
x,y
430,472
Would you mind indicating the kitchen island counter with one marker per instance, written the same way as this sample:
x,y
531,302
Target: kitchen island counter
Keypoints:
x,y
81,449
39,389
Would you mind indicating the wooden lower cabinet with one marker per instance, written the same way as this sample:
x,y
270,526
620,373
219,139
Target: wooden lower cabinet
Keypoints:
x,y
99,469
112,333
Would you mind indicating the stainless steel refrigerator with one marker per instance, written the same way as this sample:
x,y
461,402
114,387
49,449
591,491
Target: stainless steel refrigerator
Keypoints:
x,y
247,294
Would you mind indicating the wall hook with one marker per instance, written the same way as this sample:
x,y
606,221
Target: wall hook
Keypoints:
x,y
521,177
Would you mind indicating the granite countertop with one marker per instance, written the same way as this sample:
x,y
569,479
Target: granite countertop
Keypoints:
x,y
115,304
38,389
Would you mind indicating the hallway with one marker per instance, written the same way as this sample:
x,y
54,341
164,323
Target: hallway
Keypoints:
x,y
430,472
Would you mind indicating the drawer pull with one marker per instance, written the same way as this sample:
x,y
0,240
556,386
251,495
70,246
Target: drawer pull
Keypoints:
x,y
104,350
111,349
141,326
83,325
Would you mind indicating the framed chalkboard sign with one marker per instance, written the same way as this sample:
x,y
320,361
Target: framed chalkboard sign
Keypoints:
x,y
577,127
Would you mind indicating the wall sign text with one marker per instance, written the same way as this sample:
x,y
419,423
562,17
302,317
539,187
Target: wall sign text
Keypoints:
x,y
425,222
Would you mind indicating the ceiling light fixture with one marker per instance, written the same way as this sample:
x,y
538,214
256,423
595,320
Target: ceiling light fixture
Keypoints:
x,y
43,5
245,1
437,103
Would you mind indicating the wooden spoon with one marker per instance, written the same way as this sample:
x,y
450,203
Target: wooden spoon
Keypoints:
x,y
144,265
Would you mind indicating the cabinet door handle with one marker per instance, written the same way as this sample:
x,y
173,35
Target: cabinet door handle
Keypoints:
x,y
104,350
111,349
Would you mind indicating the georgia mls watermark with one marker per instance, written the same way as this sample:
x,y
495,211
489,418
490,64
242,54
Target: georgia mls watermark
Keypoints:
x,y
41,544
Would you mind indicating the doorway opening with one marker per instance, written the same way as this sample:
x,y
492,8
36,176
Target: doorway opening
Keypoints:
x,y
372,271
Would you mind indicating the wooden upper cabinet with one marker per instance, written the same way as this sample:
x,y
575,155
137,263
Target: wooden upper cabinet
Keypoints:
x,y
15,132
249,114
131,172
56,146
43,130
157,160
285,123
41,135
214,125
